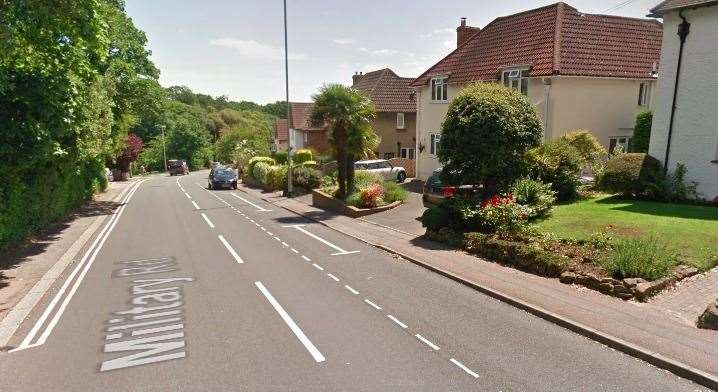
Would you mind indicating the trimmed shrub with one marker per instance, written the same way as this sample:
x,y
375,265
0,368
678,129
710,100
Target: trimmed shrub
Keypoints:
x,y
301,156
260,171
535,195
640,258
457,213
487,129
394,192
306,177
280,157
590,149
642,131
309,164
558,163
250,167
630,174
277,177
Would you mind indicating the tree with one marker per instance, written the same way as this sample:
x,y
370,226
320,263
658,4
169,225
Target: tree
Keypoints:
x,y
591,151
347,113
487,130
642,131
133,148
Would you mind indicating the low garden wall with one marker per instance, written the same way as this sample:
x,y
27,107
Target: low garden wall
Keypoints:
x,y
327,202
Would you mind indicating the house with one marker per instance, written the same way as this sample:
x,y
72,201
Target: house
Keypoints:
x,y
395,104
581,70
689,57
305,134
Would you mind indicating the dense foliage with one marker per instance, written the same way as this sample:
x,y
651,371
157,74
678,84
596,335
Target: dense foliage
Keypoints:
x,y
631,174
536,195
642,131
672,186
557,163
592,152
487,130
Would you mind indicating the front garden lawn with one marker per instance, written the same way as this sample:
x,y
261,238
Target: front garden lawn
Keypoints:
x,y
689,230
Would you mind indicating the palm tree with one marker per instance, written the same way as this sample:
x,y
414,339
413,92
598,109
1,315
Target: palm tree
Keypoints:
x,y
347,113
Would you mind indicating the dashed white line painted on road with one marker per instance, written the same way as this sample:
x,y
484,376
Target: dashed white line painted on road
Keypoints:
x,y
333,277
231,250
196,207
249,202
464,368
319,267
372,304
306,258
396,320
294,250
285,244
188,196
322,240
270,233
318,357
263,228
351,289
277,238
209,222
427,342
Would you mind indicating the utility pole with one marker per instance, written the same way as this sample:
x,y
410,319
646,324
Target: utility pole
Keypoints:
x,y
164,148
289,109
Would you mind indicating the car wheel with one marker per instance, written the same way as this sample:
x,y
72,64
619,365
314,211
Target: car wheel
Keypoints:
x,y
209,185
401,177
234,185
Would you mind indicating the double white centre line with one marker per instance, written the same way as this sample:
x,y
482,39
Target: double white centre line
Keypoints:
x,y
318,357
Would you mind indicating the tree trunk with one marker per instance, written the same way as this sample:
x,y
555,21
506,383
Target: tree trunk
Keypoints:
x,y
341,149
350,173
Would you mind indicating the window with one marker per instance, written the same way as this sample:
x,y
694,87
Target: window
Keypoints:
x,y
407,152
434,143
439,91
400,121
619,144
516,79
644,94
306,137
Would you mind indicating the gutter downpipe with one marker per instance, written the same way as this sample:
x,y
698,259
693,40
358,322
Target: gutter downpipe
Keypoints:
x,y
683,30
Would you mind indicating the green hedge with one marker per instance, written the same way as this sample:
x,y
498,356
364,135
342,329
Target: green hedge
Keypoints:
x,y
250,166
34,199
631,174
301,156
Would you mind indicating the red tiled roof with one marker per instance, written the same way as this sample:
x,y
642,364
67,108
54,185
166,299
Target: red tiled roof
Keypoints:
x,y
672,5
301,113
555,40
388,91
281,130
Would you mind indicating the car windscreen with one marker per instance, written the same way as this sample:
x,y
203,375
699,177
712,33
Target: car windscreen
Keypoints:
x,y
226,173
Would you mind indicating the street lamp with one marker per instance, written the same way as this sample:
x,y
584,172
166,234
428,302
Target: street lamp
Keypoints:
x,y
164,148
289,109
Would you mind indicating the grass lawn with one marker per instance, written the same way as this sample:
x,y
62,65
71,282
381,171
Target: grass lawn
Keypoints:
x,y
689,230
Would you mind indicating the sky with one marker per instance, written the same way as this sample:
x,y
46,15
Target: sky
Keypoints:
x,y
236,47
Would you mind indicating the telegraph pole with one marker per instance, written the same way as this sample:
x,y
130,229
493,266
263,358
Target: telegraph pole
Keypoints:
x,y
290,148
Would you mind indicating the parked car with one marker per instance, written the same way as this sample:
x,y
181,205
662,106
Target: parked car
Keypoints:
x,y
177,167
222,177
435,191
383,168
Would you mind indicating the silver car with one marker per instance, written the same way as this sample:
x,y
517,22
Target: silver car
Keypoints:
x,y
383,168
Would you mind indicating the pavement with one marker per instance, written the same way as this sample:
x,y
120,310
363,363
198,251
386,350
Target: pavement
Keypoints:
x,y
189,289
642,330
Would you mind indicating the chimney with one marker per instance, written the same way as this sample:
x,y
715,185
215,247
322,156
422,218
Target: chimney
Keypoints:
x,y
356,77
464,32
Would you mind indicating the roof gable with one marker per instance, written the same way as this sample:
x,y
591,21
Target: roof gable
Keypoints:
x,y
388,91
674,5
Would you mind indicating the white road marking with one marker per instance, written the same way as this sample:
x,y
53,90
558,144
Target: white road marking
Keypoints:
x,y
251,220
318,357
196,207
319,267
209,222
231,250
322,240
464,368
285,244
396,320
166,328
269,233
142,324
249,202
351,289
306,258
294,250
277,238
333,277
188,196
113,336
82,267
263,228
427,341
372,304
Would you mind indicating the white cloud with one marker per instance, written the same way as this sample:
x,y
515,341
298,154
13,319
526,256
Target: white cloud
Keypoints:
x,y
449,44
378,52
343,41
254,49
435,32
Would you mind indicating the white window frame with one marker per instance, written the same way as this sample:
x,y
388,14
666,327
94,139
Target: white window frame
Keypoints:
x,y
400,123
644,94
306,138
407,152
439,89
516,79
434,139
626,144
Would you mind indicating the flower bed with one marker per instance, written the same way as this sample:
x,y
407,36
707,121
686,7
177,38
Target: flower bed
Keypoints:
x,y
328,202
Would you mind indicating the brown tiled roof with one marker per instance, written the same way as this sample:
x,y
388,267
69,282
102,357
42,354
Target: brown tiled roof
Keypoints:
x,y
672,5
388,91
301,113
281,130
555,40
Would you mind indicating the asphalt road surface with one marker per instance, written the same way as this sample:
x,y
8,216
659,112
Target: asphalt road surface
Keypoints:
x,y
190,289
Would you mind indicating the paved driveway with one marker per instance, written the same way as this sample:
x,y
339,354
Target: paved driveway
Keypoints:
x,y
405,217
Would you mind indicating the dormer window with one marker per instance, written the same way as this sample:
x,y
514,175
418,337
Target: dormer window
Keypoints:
x,y
516,79
439,91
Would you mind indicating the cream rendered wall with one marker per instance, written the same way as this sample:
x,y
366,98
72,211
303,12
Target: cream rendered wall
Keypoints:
x,y
607,107
695,127
385,126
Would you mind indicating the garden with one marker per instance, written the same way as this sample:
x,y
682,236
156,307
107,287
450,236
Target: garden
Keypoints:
x,y
629,230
